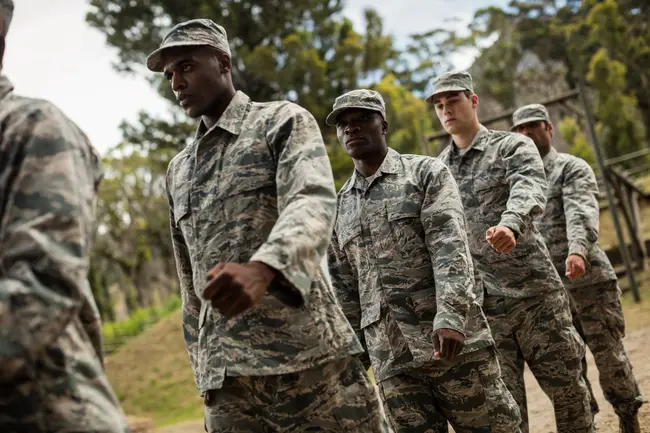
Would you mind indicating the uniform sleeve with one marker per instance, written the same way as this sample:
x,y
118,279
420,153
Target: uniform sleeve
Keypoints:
x,y
443,220
45,230
345,282
306,204
191,304
527,179
580,192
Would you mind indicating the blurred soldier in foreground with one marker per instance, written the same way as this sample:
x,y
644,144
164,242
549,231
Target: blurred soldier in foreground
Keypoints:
x,y
252,205
401,265
570,228
51,366
502,183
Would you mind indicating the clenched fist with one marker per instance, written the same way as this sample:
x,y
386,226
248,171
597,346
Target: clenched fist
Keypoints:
x,y
234,288
501,238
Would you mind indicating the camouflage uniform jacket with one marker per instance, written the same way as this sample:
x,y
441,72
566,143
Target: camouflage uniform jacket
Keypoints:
x,y
51,363
401,265
258,186
571,218
502,183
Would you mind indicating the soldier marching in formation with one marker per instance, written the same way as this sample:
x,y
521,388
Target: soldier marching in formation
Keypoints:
x,y
448,274
570,229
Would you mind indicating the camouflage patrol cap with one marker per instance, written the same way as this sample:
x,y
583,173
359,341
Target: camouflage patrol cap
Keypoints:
x,y
7,13
455,81
529,113
360,98
192,33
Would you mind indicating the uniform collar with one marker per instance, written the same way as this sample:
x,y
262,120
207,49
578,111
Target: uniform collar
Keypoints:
x,y
390,165
550,156
232,118
479,141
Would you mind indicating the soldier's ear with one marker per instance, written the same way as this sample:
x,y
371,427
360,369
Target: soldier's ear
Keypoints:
x,y
224,62
384,127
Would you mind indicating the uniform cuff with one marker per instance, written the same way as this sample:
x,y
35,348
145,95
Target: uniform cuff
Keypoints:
x,y
449,321
514,224
578,250
281,287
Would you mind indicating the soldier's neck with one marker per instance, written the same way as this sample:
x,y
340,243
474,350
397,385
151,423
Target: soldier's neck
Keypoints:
x,y
211,117
465,138
369,166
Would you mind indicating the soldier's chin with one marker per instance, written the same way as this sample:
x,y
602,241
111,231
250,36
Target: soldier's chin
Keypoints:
x,y
193,112
453,128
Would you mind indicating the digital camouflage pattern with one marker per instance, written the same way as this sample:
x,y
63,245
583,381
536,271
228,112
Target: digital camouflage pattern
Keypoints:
x,y
538,331
469,394
593,402
51,370
570,226
502,183
258,186
360,98
455,81
400,263
571,219
603,325
529,113
334,397
197,32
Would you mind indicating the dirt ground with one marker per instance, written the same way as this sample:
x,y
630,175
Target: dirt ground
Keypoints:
x,y
540,410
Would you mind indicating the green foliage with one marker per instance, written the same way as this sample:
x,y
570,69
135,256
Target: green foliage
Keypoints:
x,y
117,333
576,140
308,52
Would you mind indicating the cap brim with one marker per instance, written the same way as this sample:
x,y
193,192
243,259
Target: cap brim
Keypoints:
x,y
330,120
445,89
528,120
155,59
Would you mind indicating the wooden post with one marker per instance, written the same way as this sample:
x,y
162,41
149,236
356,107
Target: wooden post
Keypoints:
x,y
610,198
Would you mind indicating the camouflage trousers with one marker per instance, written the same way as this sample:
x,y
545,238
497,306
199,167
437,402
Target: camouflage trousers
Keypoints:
x,y
593,402
599,313
334,397
538,331
467,392
59,402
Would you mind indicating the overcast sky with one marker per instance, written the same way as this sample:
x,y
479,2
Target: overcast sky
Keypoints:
x,y
52,54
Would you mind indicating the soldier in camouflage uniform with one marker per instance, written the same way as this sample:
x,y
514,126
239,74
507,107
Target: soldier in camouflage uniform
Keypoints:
x,y
502,183
400,262
252,206
52,376
570,228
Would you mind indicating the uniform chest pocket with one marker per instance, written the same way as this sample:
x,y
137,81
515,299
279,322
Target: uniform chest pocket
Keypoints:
x,y
485,183
492,195
244,179
347,229
406,229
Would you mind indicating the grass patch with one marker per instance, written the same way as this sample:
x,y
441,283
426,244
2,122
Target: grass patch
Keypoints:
x,y
116,334
152,377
